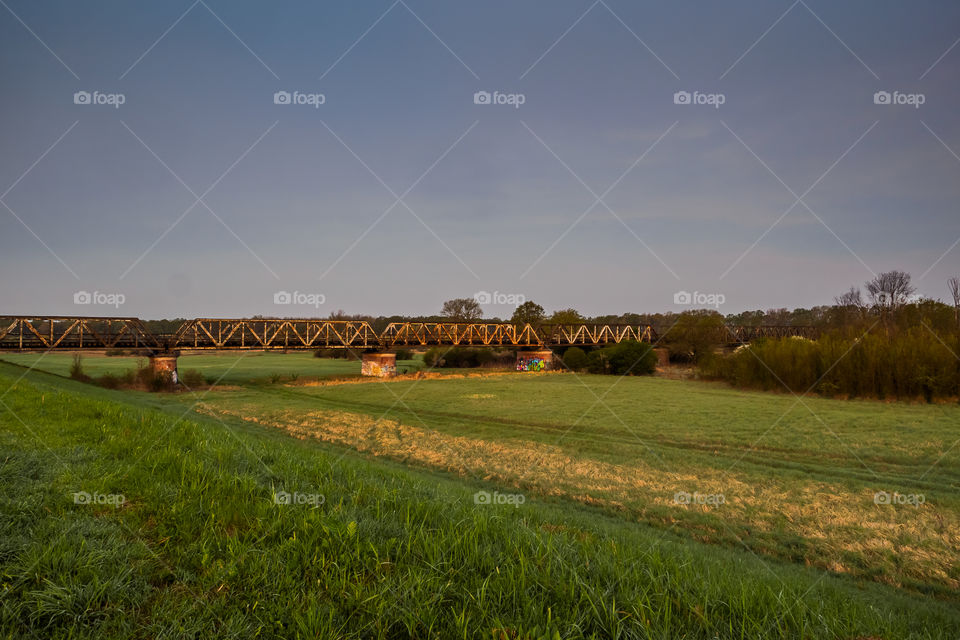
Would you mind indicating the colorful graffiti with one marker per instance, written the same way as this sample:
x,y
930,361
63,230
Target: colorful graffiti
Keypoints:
x,y
531,364
380,371
378,365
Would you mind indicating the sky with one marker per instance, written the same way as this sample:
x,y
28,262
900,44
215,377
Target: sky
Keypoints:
x,y
224,159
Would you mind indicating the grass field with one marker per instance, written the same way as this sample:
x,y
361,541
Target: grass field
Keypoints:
x,y
225,367
798,479
788,543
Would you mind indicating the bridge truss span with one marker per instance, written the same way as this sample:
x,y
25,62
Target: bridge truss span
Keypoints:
x,y
36,333
24,333
273,333
264,333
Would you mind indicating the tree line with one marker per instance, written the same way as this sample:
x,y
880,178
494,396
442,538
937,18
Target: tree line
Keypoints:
x,y
888,296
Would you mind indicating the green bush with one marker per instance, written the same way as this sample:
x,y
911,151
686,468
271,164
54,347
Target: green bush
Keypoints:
x,y
192,379
146,377
466,357
432,357
695,335
338,354
76,369
629,357
109,381
575,359
404,354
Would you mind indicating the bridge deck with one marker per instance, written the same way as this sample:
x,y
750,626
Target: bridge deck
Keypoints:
x,y
25,333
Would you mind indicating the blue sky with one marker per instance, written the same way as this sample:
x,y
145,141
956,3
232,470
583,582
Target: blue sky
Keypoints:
x,y
598,192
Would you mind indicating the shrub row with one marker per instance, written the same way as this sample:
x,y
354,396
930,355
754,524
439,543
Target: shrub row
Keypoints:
x,y
911,364
467,357
626,358
337,354
142,377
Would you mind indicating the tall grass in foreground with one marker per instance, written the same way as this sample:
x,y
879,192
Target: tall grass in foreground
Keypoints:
x,y
912,364
199,547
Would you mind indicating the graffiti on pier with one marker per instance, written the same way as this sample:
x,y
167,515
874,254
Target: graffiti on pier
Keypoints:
x,y
531,364
380,365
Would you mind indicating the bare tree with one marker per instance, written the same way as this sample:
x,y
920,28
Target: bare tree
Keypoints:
x,y
851,299
781,316
955,292
462,309
890,290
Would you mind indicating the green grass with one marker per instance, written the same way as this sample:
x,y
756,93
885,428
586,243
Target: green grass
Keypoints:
x,y
228,367
798,478
200,549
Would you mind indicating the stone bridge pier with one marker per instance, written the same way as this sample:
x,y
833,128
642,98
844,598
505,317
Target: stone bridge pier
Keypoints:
x,y
380,365
165,365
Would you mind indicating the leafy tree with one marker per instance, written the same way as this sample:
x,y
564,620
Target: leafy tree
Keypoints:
x,y
777,316
566,316
626,358
631,357
528,313
696,334
462,310
934,314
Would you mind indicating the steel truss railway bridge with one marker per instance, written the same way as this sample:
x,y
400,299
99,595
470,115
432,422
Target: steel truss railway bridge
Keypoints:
x,y
69,333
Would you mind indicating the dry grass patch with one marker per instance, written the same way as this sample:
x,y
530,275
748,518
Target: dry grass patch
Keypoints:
x,y
822,524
